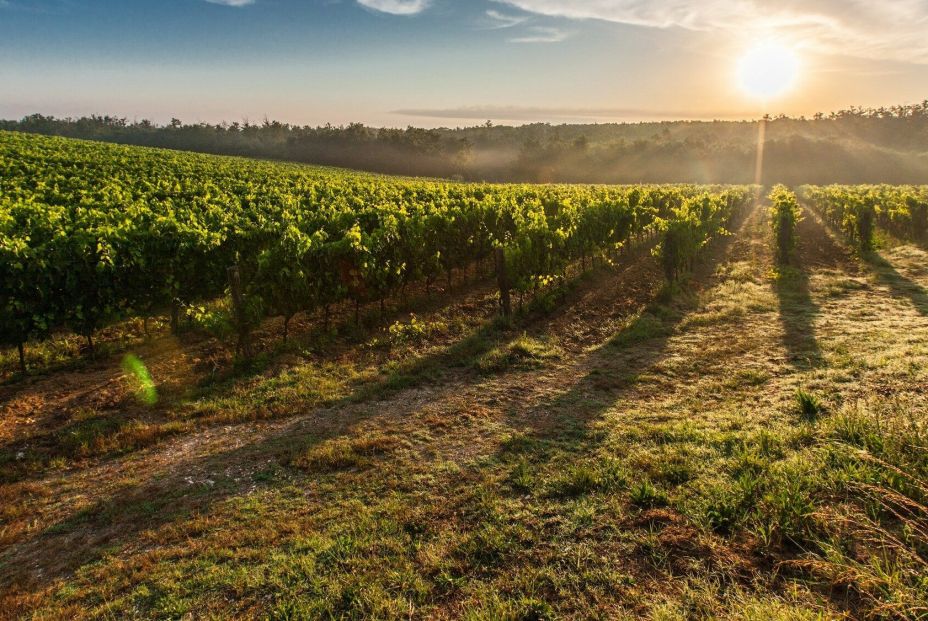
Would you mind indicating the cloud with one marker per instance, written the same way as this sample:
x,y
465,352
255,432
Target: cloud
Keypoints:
x,y
396,7
502,20
541,34
563,114
232,2
890,30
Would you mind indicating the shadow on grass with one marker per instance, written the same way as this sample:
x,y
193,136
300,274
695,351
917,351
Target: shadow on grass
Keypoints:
x,y
899,286
565,422
194,484
167,495
116,430
817,249
94,434
797,316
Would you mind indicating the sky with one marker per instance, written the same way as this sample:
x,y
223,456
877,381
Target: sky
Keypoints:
x,y
450,62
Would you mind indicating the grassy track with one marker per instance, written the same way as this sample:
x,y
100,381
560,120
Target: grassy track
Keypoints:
x,y
630,453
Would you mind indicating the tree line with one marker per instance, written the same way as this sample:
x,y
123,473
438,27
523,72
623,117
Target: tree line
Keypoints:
x,y
857,145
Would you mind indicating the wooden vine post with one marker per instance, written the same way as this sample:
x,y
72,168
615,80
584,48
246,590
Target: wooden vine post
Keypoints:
x,y
243,346
502,279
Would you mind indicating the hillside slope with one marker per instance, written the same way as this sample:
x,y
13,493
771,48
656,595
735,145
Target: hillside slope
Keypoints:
x,y
628,452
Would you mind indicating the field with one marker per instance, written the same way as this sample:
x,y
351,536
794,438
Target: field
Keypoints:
x,y
687,412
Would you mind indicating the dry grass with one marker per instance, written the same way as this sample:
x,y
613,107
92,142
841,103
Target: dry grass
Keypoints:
x,y
624,456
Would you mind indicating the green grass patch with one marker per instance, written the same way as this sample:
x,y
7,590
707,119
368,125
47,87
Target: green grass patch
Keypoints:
x,y
524,352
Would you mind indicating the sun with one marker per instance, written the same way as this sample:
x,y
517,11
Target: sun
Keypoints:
x,y
768,70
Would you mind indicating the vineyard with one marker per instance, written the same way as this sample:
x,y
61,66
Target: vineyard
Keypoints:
x,y
856,211
92,233
233,388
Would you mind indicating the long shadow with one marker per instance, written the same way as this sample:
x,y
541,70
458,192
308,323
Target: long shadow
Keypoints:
x,y
29,458
179,491
169,495
899,285
567,419
23,458
816,249
797,317
456,362
565,427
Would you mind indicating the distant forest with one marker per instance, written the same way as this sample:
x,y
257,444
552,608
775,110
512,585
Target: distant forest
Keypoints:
x,y
859,145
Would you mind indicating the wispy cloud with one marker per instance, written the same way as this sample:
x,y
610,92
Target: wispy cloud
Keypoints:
x,y
891,30
502,20
396,7
232,2
564,114
541,34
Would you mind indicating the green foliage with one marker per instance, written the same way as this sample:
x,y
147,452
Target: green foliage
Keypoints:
x,y
784,217
27,309
415,330
91,232
691,224
810,407
917,207
858,210
646,495
213,319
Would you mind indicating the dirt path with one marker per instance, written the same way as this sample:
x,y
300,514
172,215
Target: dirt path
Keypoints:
x,y
598,308
186,471
650,383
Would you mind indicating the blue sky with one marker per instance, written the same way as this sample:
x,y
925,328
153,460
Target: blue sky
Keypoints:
x,y
448,62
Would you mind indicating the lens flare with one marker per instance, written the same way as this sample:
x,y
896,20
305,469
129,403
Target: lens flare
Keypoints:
x,y
145,386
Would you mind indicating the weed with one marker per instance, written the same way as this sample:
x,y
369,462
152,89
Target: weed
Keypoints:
x,y
523,352
342,454
522,478
810,406
675,470
646,495
415,330
585,478
644,327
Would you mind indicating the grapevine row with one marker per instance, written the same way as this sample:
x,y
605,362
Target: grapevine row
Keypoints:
x,y
91,233
857,210
785,215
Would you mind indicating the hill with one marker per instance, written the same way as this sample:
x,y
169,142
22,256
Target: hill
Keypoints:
x,y
885,145
738,437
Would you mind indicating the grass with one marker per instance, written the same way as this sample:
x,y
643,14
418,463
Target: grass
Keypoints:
x,y
646,495
604,475
810,407
524,352
341,454
671,458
